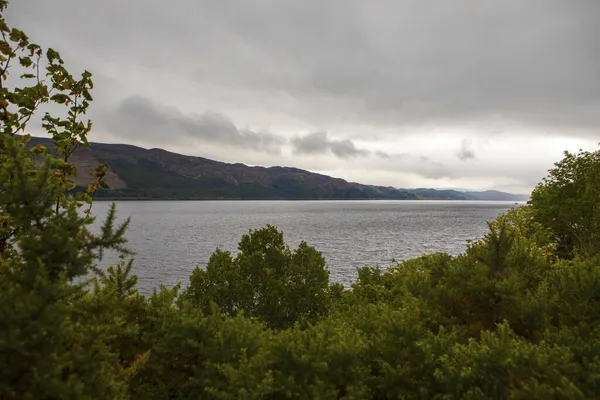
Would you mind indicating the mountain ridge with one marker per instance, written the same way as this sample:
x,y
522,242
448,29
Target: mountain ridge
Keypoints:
x,y
158,174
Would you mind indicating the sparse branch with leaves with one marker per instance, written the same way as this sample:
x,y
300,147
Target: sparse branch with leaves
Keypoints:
x,y
46,247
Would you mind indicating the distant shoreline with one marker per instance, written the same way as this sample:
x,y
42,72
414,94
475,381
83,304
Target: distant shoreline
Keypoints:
x,y
399,200
138,174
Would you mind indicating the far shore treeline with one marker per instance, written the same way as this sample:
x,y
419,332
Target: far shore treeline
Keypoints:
x,y
515,316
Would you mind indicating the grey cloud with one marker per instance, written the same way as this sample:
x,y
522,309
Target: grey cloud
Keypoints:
x,y
392,61
319,143
142,109
138,116
312,143
346,148
382,154
466,152
377,70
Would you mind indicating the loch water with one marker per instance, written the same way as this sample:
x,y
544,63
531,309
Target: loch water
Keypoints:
x,y
171,238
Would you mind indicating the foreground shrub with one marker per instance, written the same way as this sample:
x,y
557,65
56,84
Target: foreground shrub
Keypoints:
x,y
265,280
567,202
517,315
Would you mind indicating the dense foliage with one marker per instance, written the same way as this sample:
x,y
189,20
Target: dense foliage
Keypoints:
x,y
265,281
567,202
516,315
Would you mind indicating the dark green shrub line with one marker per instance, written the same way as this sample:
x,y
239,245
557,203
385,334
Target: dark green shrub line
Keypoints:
x,y
515,316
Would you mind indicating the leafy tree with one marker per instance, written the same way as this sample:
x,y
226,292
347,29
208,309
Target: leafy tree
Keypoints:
x,y
48,346
265,280
567,201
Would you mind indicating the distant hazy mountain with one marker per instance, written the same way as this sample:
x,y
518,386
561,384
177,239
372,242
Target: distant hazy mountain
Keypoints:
x,y
490,195
496,195
138,173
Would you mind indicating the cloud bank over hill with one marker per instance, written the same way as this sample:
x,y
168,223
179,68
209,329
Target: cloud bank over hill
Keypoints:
x,y
462,94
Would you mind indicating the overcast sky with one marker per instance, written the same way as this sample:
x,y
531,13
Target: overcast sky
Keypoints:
x,y
409,93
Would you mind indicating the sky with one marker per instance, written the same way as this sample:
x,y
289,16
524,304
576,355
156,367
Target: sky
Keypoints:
x,y
464,94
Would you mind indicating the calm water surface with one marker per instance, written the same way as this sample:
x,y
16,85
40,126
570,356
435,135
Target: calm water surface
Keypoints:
x,y
172,237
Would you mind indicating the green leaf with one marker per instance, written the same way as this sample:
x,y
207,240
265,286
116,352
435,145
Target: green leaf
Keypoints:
x,y
53,55
25,61
16,35
60,98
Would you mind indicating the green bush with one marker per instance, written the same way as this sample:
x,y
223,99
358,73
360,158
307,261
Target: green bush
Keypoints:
x,y
516,316
265,280
567,202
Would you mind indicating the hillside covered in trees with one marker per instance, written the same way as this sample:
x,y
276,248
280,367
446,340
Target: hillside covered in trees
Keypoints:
x,y
138,173
515,316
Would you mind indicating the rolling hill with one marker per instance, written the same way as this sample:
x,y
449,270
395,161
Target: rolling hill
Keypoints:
x,y
138,173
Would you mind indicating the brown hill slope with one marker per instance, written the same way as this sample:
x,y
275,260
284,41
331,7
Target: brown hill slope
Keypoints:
x,y
138,173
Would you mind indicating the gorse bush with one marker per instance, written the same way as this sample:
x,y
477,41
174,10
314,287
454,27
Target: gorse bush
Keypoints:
x,y
266,281
567,203
515,316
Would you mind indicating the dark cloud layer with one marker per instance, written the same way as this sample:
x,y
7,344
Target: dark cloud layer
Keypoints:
x,y
138,116
393,61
